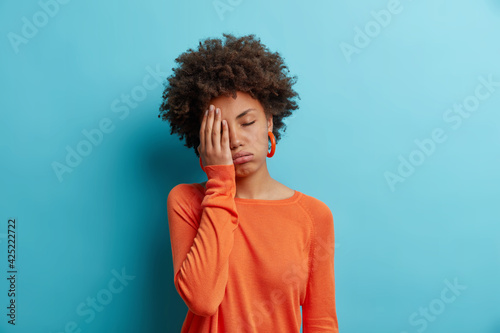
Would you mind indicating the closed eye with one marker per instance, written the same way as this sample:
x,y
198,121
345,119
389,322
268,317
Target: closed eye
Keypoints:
x,y
248,124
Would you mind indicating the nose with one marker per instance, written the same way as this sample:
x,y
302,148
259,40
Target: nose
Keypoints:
x,y
234,137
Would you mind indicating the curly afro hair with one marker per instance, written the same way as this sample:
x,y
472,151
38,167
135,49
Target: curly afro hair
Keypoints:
x,y
223,68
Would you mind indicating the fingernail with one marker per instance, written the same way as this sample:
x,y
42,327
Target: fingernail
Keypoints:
x,y
217,111
206,112
212,107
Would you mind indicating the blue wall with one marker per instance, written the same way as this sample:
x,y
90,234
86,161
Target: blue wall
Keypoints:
x,y
397,131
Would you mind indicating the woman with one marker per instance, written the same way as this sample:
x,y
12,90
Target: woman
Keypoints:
x,y
247,250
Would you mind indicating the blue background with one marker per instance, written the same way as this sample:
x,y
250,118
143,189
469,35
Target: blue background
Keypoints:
x,y
359,117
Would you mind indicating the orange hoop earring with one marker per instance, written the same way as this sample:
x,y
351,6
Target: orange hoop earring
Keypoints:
x,y
273,144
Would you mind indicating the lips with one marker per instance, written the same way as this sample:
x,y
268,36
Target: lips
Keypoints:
x,y
240,154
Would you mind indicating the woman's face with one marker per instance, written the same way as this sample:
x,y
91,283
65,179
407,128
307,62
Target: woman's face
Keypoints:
x,y
248,129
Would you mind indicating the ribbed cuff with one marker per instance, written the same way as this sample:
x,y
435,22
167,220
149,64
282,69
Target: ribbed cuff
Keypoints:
x,y
221,179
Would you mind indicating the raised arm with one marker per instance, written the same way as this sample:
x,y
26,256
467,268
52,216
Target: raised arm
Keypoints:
x,y
201,249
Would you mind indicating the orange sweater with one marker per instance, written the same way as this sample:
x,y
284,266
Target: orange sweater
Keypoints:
x,y
247,265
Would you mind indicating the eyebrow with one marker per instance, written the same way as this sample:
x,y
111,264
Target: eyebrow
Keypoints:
x,y
244,113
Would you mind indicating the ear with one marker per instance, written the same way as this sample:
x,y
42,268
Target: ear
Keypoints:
x,y
270,123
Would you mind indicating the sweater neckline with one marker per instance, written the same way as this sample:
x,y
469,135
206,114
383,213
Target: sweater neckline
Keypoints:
x,y
293,198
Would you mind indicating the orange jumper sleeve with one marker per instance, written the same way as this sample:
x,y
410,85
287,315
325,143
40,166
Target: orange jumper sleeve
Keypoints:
x,y
202,242
319,310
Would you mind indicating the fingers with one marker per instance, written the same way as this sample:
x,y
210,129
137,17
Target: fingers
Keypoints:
x,y
216,130
202,132
225,135
214,138
208,129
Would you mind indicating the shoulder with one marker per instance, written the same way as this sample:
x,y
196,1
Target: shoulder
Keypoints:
x,y
320,213
314,203
187,193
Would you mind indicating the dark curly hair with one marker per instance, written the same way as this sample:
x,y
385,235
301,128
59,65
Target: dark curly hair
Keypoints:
x,y
217,68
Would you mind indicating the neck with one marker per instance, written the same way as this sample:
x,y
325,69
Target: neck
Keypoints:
x,y
254,186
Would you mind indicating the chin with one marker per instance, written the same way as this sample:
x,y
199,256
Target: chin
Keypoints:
x,y
243,170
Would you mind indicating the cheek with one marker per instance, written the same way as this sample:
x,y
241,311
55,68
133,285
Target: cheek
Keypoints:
x,y
262,138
